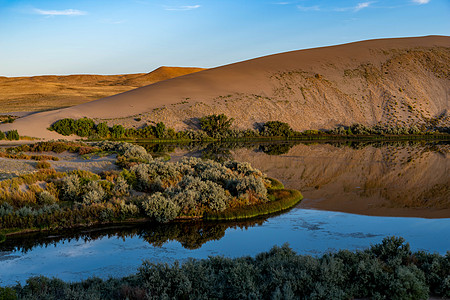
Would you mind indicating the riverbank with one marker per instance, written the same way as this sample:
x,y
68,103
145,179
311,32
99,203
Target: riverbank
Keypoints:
x,y
385,270
281,200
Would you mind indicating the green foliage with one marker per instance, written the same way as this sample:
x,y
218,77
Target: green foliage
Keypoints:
x,y
64,126
279,273
12,135
2,135
160,208
70,188
102,130
160,130
46,198
7,293
117,131
84,127
276,128
43,165
215,124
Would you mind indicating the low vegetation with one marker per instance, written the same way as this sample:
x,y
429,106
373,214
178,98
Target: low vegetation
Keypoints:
x,y
218,127
145,187
11,135
389,270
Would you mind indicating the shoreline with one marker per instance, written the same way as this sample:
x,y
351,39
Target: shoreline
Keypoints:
x,y
278,205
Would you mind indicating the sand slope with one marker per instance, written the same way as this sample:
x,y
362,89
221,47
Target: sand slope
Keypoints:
x,y
39,93
393,81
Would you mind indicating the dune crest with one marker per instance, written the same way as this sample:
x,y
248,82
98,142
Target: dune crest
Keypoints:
x,y
400,81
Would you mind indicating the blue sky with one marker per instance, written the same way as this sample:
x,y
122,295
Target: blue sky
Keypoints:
x,y
130,36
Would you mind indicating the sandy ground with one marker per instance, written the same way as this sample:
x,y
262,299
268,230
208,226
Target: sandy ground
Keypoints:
x,y
67,162
393,81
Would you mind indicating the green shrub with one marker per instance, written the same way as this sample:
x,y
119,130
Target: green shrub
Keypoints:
x,y
45,197
7,293
102,129
117,131
70,188
2,135
276,128
65,126
160,130
84,127
12,135
160,208
215,124
93,193
43,165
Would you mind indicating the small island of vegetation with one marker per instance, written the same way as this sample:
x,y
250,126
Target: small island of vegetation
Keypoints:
x,y
142,188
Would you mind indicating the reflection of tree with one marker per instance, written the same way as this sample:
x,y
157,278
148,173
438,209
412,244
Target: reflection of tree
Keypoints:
x,y
217,152
276,149
191,234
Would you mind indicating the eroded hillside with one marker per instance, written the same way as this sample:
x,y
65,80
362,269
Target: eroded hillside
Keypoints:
x,y
390,81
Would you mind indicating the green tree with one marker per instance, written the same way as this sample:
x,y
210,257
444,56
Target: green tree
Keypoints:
x,y
160,130
276,128
214,124
2,135
117,131
103,129
12,135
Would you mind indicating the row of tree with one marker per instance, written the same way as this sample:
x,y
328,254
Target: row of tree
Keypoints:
x,y
218,126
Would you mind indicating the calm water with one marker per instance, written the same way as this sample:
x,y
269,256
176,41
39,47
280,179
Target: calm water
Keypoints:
x,y
357,173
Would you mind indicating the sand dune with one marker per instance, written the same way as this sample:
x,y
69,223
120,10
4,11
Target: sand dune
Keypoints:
x,y
39,93
392,81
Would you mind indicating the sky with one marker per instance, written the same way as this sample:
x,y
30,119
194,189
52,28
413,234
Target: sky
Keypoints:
x,y
138,36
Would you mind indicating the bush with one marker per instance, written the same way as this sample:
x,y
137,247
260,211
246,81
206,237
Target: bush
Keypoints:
x,y
160,208
2,135
160,130
84,127
64,126
215,124
12,135
276,128
117,131
93,193
70,188
102,129
43,165
45,198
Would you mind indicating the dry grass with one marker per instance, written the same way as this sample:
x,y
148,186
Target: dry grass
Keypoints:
x,y
51,92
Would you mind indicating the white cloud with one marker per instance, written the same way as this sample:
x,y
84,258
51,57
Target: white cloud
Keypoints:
x,y
66,12
186,7
356,8
421,1
362,5
308,8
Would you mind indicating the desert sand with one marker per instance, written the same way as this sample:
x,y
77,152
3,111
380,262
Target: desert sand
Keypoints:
x,y
393,81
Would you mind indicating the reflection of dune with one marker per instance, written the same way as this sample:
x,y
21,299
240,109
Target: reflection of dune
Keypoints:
x,y
409,180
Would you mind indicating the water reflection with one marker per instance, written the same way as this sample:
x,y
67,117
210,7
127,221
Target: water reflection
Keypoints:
x,y
119,251
403,178
190,234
